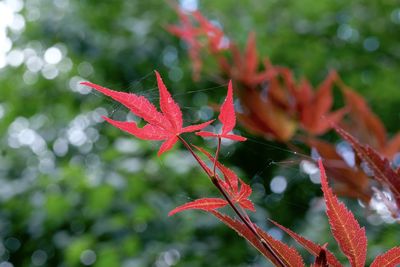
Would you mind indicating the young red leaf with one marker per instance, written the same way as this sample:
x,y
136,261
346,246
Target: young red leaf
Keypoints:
x,y
313,107
189,33
263,117
228,119
251,55
230,184
289,255
168,106
196,127
345,228
315,115
311,247
380,166
148,132
206,204
165,126
244,66
227,114
193,32
138,105
231,179
320,260
214,34
323,97
242,197
167,145
390,258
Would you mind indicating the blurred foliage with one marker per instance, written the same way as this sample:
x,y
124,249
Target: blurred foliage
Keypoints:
x,y
76,192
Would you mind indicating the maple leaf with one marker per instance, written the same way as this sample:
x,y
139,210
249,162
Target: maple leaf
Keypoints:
x,y
288,255
345,228
166,125
244,67
281,87
206,204
228,119
263,117
214,34
310,246
230,183
189,34
315,114
390,258
380,166
192,34
251,63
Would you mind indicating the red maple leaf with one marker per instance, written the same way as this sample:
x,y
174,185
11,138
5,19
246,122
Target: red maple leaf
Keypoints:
x,y
240,196
228,119
206,204
349,235
166,125
192,33
390,258
315,106
244,65
230,183
189,34
214,34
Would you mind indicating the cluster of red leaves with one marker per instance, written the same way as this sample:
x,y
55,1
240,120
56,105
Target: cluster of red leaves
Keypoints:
x,y
230,184
280,108
167,125
347,232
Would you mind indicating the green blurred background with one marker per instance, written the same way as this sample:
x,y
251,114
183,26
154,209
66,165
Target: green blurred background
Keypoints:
x,y
77,192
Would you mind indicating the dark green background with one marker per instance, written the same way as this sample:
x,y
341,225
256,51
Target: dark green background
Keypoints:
x,y
104,201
